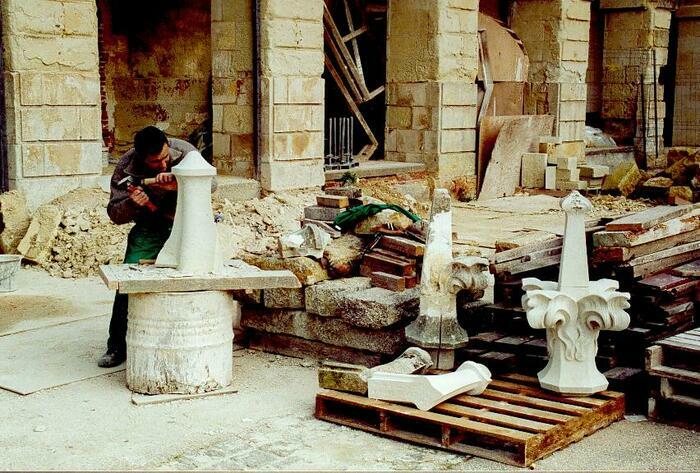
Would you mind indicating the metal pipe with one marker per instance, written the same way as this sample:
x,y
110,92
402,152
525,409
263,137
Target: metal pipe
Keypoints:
x,y
656,109
4,160
257,87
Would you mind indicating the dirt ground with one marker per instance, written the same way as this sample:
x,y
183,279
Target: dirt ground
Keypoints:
x,y
267,425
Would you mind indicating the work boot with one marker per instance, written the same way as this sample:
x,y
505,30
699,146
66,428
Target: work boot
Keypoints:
x,y
111,359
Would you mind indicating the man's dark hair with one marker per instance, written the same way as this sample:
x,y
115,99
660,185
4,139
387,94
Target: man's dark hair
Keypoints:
x,y
149,141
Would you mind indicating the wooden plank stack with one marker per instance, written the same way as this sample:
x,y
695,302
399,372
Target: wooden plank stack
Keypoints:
x,y
674,366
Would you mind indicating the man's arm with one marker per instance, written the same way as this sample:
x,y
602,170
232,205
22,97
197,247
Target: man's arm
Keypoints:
x,y
121,208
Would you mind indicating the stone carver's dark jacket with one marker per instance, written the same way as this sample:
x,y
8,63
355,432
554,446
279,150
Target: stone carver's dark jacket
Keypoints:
x,y
121,209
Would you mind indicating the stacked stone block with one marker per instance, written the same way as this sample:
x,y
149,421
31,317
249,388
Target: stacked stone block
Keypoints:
x,y
292,94
343,319
686,118
52,87
556,36
636,36
232,86
432,62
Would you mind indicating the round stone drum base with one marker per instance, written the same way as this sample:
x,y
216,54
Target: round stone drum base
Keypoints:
x,y
179,342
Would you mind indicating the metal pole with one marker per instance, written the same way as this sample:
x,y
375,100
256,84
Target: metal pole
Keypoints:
x,y
656,109
4,160
644,122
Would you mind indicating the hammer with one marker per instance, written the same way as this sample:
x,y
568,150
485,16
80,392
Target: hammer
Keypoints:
x,y
132,181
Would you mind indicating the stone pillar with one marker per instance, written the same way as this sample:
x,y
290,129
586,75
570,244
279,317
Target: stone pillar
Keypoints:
x,y
686,112
52,96
635,31
431,94
556,35
292,93
232,86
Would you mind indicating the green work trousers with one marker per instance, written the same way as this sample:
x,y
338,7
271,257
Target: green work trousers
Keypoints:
x,y
143,243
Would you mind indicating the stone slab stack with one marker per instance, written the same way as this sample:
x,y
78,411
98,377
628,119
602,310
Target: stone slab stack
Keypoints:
x,y
561,165
342,319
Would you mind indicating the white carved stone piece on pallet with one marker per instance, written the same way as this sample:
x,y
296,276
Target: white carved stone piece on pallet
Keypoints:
x,y
193,246
427,391
179,342
574,311
436,329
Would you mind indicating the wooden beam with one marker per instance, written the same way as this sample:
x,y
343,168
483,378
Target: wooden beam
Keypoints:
x,y
356,94
368,150
354,34
335,34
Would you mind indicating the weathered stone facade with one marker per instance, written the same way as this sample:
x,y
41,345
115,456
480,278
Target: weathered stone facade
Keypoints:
x,y
556,35
52,85
686,118
636,38
431,94
233,112
157,68
292,94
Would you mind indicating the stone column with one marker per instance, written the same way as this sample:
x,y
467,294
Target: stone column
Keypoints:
x,y
232,86
635,31
686,112
431,94
292,94
556,36
52,87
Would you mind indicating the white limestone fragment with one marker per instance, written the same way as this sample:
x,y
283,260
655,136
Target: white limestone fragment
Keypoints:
x,y
574,310
427,391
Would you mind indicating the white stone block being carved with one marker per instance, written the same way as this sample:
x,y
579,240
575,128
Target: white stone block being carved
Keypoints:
x,y
427,391
193,245
179,342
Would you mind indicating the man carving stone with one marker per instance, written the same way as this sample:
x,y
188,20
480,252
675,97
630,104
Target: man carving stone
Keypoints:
x,y
150,207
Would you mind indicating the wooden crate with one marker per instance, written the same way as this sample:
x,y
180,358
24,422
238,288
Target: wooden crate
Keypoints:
x,y
674,365
513,421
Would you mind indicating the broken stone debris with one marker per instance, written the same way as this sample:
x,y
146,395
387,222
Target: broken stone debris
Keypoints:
x,y
37,242
353,378
309,241
14,220
305,269
342,255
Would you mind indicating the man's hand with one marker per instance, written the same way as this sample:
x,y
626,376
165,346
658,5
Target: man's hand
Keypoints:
x,y
138,196
165,181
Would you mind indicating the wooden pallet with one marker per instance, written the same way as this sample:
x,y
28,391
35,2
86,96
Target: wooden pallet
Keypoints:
x,y
513,421
674,365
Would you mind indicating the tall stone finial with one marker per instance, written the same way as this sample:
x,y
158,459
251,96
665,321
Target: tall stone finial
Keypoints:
x,y
436,329
193,246
574,310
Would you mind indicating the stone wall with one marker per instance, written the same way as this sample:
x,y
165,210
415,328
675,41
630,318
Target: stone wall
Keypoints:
x,y
636,31
292,94
431,94
556,35
232,86
686,117
594,73
157,67
52,96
